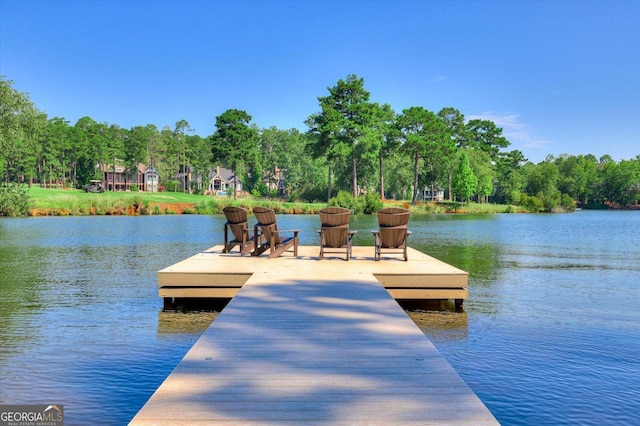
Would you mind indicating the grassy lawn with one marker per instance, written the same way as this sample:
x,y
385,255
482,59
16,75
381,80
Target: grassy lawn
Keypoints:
x,y
58,197
66,202
78,202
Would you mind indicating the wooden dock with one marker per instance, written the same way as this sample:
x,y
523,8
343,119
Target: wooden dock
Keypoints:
x,y
213,274
306,345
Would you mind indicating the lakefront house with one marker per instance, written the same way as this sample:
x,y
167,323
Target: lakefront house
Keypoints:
x,y
116,177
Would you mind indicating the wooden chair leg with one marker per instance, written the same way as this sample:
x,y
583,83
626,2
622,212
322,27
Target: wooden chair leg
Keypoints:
x,y
226,241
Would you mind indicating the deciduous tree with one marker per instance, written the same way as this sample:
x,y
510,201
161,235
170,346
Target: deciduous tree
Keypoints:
x,y
622,182
20,127
464,181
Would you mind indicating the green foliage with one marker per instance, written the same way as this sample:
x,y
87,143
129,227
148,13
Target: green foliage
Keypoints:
x,y
485,136
20,127
567,203
352,143
347,126
283,155
621,182
426,139
464,182
346,200
551,201
260,189
542,178
533,204
309,193
235,143
208,206
514,197
14,200
173,185
367,204
371,203
422,207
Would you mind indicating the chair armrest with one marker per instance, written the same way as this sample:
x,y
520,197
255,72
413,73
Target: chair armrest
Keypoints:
x,y
286,231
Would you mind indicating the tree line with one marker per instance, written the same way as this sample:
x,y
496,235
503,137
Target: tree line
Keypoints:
x,y
351,144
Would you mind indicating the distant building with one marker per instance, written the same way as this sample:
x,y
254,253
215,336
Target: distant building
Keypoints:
x,y
223,181
438,195
116,177
277,182
152,180
282,185
183,177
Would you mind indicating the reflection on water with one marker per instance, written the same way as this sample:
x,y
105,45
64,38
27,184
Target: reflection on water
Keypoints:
x,y
192,322
549,333
443,324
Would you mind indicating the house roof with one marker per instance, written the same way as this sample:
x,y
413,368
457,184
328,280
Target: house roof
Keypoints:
x,y
225,174
119,168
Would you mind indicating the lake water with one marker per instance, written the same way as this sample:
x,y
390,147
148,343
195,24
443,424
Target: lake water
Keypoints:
x,y
550,333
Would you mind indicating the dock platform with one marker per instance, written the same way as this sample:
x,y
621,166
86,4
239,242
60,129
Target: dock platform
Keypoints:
x,y
213,274
303,345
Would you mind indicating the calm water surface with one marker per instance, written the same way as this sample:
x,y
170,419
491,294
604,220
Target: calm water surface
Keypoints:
x,y
550,333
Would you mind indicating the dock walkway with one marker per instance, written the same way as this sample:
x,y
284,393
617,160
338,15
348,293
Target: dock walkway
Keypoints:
x,y
321,346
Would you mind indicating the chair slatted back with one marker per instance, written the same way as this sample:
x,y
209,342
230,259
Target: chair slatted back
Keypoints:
x,y
236,220
335,226
393,226
267,222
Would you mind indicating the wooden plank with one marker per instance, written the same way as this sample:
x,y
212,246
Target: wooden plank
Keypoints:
x,y
199,292
202,279
429,293
421,277
410,280
326,346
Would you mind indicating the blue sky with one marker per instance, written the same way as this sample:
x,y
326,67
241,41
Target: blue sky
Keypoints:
x,y
557,76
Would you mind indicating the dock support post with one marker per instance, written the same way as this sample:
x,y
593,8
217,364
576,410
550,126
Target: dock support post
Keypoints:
x,y
459,304
169,304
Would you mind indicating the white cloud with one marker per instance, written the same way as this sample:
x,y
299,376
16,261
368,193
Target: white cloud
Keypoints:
x,y
516,132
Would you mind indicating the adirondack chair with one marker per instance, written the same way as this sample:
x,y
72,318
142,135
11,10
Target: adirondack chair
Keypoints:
x,y
267,228
238,225
393,233
334,232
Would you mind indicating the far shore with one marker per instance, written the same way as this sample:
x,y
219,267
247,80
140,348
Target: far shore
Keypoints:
x,y
69,202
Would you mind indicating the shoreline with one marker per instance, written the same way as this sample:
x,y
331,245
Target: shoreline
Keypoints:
x,y
59,202
160,209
